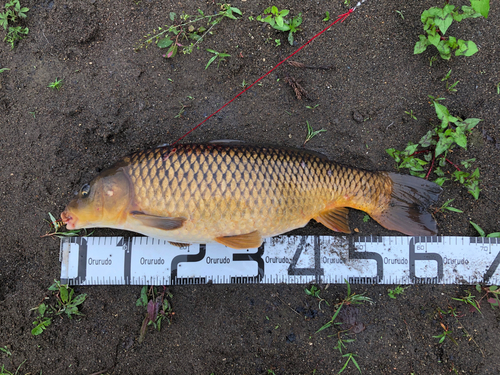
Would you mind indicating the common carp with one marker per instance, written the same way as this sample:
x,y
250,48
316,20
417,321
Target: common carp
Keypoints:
x,y
237,194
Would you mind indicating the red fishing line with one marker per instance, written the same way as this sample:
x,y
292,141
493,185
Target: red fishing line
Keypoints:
x,y
340,18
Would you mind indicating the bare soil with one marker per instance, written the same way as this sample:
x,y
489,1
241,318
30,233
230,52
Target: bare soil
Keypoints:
x,y
115,101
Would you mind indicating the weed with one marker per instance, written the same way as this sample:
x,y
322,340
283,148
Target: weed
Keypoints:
x,y
158,308
311,133
13,14
469,299
66,300
277,42
218,55
492,290
350,357
446,333
446,206
347,3
498,88
56,85
432,60
450,88
393,293
366,218
482,232
351,299
451,311
171,36
327,16
3,70
41,322
6,350
67,303
314,292
435,146
276,19
312,107
411,114
57,224
3,371
341,343
182,110
244,84
436,22
400,12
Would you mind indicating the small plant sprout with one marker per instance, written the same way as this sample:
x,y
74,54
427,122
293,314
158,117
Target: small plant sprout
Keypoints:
x,y
5,350
244,84
435,147
314,292
351,299
482,233
276,19
492,295
327,16
366,218
436,22
218,55
311,133
469,299
183,30
277,42
410,113
312,107
400,12
498,88
393,293
350,358
446,206
3,70
158,308
450,88
446,333
56,85
57,224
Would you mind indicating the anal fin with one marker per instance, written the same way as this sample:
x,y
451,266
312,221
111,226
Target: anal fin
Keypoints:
x,y
335,219
242,241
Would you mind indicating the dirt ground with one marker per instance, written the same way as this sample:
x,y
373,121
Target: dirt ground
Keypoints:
x,y
115,101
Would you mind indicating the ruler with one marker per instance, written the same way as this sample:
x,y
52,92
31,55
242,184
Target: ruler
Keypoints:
x,y
282,259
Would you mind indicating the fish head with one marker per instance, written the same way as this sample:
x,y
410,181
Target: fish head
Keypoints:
x,y
102,203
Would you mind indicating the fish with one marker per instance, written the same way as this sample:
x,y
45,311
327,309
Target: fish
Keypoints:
x,y
238,194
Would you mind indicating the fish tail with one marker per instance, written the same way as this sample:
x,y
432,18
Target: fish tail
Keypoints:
x,y
406,211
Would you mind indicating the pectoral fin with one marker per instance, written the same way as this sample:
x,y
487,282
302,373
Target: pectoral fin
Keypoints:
x,y
159,222
242,241
335,219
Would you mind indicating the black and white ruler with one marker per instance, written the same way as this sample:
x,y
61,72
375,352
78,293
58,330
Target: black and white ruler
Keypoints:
x,y
282,259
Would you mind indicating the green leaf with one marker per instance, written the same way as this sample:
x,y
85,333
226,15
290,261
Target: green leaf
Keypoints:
x,y
421,45
63,292
79,299
443,144
441,180
470,123
290,38
236,10
466,48
172,16
143,299
164,42
481,6
494,235
444,49
478,228
279,21
426,140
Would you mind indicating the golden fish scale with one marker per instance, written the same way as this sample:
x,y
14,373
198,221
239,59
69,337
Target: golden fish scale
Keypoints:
x,y
230,190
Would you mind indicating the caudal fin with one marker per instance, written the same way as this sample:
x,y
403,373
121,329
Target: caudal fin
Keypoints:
x,y
407,211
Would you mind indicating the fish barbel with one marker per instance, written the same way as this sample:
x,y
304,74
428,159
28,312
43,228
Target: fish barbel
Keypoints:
x,y
238,194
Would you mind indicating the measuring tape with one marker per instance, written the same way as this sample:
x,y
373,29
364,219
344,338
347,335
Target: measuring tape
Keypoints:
x,y
282,259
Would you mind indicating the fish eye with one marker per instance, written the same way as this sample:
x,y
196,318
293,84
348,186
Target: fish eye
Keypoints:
x,y
85,190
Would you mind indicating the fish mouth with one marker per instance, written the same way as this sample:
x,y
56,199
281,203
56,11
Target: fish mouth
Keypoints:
x,y
68,219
